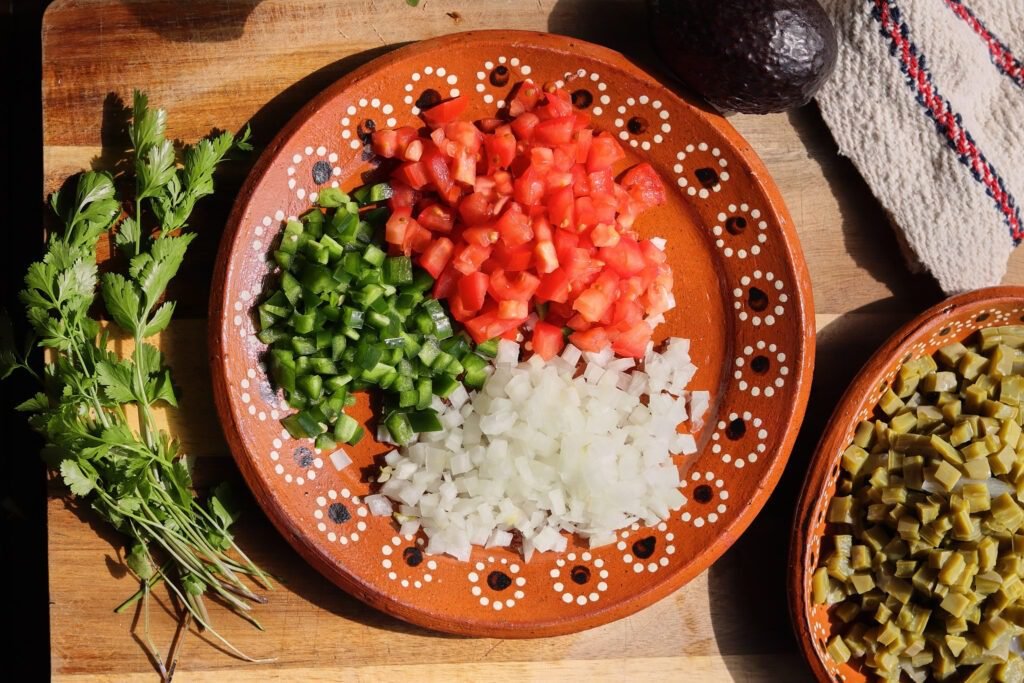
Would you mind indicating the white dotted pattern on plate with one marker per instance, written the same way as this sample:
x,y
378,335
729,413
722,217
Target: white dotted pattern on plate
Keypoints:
x,y
429,77
360,114
634,127
310,169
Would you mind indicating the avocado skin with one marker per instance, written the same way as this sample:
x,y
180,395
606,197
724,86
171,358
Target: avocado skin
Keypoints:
x,y
748,56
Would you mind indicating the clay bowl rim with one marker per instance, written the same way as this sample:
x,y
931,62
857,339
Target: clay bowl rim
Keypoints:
x,y
220,343
834,437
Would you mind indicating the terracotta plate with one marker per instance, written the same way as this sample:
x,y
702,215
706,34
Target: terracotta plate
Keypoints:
x,y
744,301
953,320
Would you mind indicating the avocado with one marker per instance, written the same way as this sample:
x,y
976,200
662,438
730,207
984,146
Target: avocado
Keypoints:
x,y
752,57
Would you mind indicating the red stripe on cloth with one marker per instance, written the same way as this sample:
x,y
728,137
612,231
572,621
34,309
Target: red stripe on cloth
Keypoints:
x,y
947,121
1002,56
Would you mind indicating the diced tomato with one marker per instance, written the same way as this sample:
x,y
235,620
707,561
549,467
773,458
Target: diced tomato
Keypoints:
x,y
514,226
417,239
525,97
626,313
503,183
556,180
565,243
437,170
643,184
595,339
466,134
548,340
656,300
541,158
625,257
604,235
601,182
555,131
446,283
583,139
404,135
541,226
505,213
513,309
458,309
633,342
520,286
512,259
561,209
473,291
445,112
554,287
464,166
653,253
592,303
529,187
604,152
546,256
470,257
500,148
482,235
563,158
437,218
384,143
604,205
436,256
475,209
490,125
413,151
397,225
524,125
488,325
556,104
413,174
584,213
401,195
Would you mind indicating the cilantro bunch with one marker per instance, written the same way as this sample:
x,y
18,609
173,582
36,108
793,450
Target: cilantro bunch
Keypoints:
x,y
134,477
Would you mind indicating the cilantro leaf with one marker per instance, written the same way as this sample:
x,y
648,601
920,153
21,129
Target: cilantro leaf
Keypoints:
x,y
155,169
128,235
116,380
35,404
160,319
149,358
167,255
160,388
148,125
121,300
138,561
224,505
80,483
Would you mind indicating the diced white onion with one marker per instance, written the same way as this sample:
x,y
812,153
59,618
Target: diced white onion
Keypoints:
x,y
379,505
539,452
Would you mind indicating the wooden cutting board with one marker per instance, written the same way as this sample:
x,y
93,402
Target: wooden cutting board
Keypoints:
x,y
222,64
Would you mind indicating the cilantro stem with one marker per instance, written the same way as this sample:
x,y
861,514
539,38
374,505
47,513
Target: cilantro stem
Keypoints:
x,y
213,631
131,600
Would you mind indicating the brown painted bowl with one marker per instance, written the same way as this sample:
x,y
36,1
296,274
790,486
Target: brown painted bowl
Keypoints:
x,y
952,320
744,302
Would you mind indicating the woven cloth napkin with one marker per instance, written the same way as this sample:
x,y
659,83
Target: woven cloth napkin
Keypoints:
x,y
927,100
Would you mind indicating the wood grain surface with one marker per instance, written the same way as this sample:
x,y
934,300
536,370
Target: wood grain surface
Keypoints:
x,y
223,64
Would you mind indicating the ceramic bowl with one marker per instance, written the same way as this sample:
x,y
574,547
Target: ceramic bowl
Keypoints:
x,y
744,302
953,320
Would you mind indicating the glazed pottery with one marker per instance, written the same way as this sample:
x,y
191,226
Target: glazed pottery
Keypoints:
x,y
743,299
953,320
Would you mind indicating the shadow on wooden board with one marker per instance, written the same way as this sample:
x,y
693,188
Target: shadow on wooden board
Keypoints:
x,y
206,21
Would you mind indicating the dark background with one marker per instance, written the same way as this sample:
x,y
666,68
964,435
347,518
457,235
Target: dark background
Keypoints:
x,y
25,651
